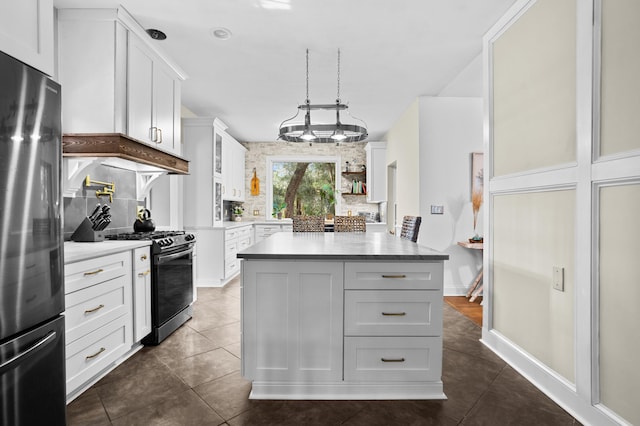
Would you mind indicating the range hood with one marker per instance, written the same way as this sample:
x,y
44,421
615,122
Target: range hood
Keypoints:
x,y
117,145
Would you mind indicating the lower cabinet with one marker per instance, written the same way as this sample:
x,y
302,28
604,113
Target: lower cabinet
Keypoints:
x,y
263,231
108,312
293,317
216,254
342,329
141,293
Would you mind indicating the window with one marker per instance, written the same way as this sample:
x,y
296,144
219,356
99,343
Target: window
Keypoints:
x,y
303,185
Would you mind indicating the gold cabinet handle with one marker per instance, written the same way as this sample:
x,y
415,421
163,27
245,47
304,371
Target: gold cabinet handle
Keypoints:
x,y
143,257
96,354
392,359
94,272
97,308
398,314
142,274
394,276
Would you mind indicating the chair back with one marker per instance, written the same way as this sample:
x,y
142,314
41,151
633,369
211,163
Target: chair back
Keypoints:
x,y
410,228
308,224
349,224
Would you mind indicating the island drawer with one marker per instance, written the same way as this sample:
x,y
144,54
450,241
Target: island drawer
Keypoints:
x,y
392,313
390,359
393,276
93,307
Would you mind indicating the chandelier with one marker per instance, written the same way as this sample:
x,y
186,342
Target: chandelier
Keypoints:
x,y
332,132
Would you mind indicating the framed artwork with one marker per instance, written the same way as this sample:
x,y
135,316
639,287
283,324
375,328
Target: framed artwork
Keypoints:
x,y
477,173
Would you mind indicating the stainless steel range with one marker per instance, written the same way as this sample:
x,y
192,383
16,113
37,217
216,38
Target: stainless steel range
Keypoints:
x,y
171,279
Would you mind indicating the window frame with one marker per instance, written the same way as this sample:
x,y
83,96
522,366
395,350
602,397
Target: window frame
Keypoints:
x,y
336,159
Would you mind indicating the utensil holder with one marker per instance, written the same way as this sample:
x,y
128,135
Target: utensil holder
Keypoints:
x,y
85,234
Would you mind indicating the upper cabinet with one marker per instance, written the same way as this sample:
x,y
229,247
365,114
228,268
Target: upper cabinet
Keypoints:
x,y
376,171
204,188
153,92
115,80
233,163
26,32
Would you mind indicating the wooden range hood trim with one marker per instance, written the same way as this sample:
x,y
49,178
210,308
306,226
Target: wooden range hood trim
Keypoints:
x,y
121,146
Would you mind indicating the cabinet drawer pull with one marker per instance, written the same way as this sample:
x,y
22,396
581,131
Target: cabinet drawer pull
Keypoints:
x,y
143,257
94,272
96,354
398,314
392,359
97,308
394,276
142,274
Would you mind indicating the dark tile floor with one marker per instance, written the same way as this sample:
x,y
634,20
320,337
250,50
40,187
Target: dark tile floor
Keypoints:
x,y
193,378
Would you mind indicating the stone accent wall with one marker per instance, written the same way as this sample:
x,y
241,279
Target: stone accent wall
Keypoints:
x,y
256,156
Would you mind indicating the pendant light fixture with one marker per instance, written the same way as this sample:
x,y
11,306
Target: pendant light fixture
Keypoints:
x,y
322,133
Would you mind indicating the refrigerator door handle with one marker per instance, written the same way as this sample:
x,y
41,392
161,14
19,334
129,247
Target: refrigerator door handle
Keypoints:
x,y
49,338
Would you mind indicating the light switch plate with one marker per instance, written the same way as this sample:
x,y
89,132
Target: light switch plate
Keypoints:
x,y
558,278
437,209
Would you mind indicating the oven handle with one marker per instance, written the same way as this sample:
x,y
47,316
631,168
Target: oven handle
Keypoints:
x,y
163,258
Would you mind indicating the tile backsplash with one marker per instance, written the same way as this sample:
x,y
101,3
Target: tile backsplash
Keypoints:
x,y
123,207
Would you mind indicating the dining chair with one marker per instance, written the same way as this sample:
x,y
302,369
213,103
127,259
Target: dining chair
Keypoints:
x,y
410,228
308,223
349,224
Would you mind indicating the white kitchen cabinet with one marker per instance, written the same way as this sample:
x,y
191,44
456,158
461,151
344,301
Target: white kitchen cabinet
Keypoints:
x,y
263,231
233,164
115,80
293,317
152,91
217,249
318,327
203,187
26,32
393,322
141,293
98,326
376,171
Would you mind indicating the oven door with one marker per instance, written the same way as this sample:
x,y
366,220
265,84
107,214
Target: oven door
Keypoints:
x,y
172,281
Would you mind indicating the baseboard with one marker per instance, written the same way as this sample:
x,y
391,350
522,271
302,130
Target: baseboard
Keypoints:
x,y
547,381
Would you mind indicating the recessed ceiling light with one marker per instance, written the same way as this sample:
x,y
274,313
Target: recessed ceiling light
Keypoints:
x,y
156,34
221,33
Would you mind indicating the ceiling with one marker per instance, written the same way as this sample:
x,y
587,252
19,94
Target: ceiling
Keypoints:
x,y
391,53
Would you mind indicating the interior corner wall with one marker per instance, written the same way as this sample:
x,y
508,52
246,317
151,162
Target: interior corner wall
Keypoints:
x,y
450,130
403,149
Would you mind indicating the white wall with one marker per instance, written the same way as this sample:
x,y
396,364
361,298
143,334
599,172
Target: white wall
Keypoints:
x,y
468,83
450,130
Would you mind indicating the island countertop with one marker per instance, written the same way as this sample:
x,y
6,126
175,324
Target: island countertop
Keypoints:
x,y
339,246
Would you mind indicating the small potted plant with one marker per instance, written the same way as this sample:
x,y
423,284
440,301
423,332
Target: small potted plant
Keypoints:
x,y
237,210
278,208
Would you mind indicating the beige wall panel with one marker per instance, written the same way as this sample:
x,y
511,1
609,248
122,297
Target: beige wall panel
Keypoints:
x,y
620,82
532,233
534,79
619,298
403,147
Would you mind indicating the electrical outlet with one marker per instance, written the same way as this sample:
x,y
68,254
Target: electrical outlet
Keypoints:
x,y
558,278
437,209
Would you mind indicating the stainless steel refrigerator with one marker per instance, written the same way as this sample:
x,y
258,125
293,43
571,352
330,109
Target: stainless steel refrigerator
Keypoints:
x,y
32,374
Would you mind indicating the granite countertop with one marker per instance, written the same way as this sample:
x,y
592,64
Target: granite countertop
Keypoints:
x,y
339,246
75,252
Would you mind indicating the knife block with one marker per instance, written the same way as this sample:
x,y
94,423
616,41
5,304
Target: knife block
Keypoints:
x,y
84,233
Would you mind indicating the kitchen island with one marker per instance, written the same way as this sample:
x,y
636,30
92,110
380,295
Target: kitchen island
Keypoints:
x,y
342,316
